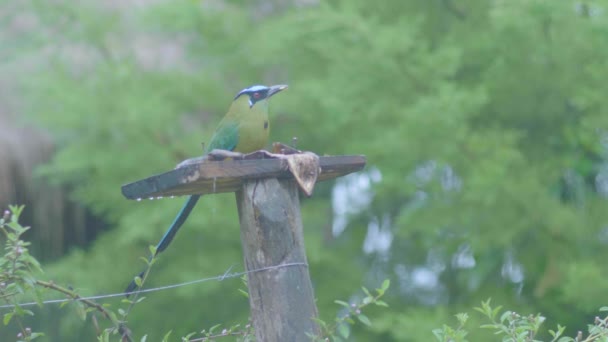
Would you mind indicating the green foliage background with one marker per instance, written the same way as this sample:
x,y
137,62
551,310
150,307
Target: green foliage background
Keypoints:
x,y
484,124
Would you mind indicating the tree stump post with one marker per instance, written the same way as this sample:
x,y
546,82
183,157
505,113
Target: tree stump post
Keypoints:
x,y
281,300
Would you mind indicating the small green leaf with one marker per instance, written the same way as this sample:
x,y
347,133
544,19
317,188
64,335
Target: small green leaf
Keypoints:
x,y
439,334
490,326
126,301
381,303
366,291
113,316
35,335
344,330
566,339
138,281
321,322
27,312
485,309
505,316
385,284
462,317
16,210
7,318
343,303
82,313
495,311
363,319
213,328
166,337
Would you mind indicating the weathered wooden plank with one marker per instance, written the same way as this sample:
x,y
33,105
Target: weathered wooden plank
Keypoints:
x,y
281,300
229,175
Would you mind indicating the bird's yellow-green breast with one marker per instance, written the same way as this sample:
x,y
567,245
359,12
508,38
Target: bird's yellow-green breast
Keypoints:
x,y
245,127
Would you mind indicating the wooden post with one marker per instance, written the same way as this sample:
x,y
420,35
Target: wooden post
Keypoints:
x,y
282,300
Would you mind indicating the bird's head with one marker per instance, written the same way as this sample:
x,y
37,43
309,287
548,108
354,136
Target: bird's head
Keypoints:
x,y
258,94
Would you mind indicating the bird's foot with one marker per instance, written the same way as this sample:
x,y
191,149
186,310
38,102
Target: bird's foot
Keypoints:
x,y
280,148
218,154
263,154
279,151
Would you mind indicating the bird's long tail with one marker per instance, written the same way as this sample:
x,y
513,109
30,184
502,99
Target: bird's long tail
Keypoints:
x,y
169,235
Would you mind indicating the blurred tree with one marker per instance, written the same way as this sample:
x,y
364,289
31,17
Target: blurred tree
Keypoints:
x,y
482,121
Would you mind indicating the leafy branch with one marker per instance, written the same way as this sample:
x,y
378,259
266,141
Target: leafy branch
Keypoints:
x,y
17,278
244,334
515,327
339,329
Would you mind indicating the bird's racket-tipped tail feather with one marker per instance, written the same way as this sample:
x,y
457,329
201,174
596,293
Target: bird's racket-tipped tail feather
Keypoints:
x,y
177,223
168,237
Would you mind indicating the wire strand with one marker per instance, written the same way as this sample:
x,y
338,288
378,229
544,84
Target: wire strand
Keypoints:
x,y
226,275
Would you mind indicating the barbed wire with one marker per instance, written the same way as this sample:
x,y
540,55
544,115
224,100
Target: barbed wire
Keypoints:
x,y
226,275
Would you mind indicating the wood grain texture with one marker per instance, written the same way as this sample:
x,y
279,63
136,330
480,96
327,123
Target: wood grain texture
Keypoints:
x,y
229,176
281,300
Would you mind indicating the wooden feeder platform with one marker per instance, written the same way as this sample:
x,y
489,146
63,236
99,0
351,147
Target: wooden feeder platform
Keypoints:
x,y
229,176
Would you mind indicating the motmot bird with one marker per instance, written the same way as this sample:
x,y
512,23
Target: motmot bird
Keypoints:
x,y
243,129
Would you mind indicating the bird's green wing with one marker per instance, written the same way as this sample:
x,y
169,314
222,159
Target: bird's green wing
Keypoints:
x,y
226,137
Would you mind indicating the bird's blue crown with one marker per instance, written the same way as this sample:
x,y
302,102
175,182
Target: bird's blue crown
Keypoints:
x,y
252,89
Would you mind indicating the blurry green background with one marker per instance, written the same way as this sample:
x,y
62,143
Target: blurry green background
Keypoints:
x,y
485,126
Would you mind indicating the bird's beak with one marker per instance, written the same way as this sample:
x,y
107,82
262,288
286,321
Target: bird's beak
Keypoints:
x,y
275,89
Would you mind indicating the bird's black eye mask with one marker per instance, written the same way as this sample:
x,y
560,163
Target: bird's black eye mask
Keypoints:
x,y
255,94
